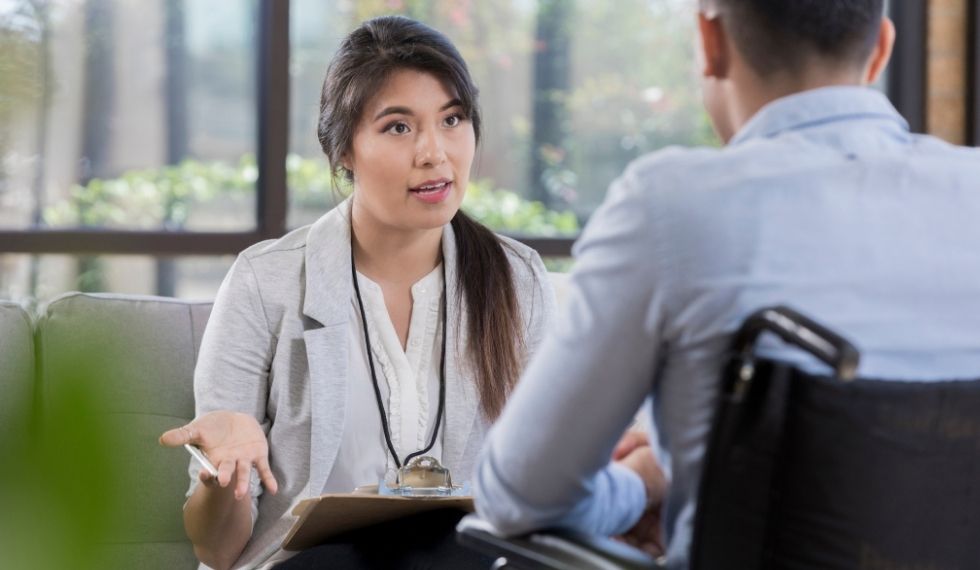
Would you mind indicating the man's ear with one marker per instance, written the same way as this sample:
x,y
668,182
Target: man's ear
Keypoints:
x,y
882,52
714,46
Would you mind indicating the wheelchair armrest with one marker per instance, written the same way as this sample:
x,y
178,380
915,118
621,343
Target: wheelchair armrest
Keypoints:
x,y
556,549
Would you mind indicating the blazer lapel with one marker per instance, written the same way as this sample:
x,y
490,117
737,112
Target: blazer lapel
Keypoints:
x,y
326,308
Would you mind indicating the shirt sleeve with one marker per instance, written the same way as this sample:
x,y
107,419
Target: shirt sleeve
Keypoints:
x,y
232,371
547,460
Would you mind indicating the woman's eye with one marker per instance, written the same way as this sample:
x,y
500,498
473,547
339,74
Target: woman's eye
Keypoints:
x,y
397,128
453,120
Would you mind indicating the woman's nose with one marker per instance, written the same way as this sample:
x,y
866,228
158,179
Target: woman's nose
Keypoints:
x,y
430,150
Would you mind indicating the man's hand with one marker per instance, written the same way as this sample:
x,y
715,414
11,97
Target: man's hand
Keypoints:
x,y
633,451
632,439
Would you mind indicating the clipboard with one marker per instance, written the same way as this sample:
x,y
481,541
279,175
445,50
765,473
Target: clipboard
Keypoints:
x,y
326,516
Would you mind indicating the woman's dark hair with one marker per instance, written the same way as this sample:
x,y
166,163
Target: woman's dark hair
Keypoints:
x,y
365,60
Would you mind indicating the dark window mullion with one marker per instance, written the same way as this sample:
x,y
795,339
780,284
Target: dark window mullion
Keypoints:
x,y
907,70
973,78
81,241
547,246
273,116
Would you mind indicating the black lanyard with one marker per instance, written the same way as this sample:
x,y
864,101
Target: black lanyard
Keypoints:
x,y
374,377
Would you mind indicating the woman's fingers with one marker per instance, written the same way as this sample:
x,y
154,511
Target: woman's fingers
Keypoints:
x,y
226,469
207,479
266,476
179,436
244,473
236,446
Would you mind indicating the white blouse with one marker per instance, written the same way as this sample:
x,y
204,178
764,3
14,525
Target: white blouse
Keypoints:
x,y
408,379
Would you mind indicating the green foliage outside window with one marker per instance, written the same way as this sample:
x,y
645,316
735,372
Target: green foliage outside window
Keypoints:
x,y
167,196
628,84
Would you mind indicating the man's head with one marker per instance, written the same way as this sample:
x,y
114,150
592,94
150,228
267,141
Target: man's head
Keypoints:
x,y
758,50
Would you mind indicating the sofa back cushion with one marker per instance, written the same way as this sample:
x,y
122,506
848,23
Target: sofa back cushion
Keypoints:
x,y
16,369
135,356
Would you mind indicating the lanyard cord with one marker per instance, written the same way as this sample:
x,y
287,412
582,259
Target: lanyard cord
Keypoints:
x,y
374,376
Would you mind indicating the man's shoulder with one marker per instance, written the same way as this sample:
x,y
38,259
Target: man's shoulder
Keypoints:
x,y
664,174
676,161
933,145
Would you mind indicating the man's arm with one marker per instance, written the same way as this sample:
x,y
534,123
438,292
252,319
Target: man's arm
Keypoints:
x,y
547,460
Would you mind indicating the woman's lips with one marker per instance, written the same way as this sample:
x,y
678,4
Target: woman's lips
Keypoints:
x,y
433,193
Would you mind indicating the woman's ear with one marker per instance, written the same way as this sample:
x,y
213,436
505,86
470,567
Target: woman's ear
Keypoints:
x,y
713,46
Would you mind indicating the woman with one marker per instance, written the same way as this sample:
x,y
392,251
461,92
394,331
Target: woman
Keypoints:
x,y
298,356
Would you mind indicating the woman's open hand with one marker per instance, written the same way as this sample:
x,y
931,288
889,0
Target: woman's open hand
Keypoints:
x,y
234,442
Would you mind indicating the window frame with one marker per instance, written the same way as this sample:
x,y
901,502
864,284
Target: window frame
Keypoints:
x,y
906,87
906,82
973,74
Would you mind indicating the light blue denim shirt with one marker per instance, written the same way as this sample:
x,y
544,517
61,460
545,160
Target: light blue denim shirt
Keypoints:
x,y
824,201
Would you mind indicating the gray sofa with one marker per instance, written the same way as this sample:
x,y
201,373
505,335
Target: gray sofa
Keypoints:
x,y
136,355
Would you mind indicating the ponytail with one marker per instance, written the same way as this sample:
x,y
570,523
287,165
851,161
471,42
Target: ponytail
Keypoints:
x,y
496,340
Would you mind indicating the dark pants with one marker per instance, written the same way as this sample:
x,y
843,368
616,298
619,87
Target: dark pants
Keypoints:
x,y
423,541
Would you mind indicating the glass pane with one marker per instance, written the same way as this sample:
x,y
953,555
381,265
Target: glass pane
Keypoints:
x,y
32,279
563,115
108,114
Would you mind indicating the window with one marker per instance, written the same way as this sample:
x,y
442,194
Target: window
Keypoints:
x,y
168,130
126,128
112,120
562,115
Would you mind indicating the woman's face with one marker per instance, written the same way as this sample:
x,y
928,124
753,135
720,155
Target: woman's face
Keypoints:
x,y
411,153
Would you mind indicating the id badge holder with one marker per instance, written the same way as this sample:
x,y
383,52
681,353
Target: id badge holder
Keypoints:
x,y
421,477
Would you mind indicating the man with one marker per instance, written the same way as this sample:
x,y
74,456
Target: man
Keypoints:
x,y
821,200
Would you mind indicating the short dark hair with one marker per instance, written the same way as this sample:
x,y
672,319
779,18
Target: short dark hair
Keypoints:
x,y
782,35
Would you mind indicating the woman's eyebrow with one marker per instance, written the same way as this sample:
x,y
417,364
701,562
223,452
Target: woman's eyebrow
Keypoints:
x,y
406,111
451,104
394,111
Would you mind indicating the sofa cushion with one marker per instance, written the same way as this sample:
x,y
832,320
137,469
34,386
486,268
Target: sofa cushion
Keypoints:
x,y
135,356
16,369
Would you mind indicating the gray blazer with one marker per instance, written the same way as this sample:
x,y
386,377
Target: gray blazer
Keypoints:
x,y
276,346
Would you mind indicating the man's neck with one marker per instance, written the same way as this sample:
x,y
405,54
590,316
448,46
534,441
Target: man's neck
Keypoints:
x,y
392,256
751,93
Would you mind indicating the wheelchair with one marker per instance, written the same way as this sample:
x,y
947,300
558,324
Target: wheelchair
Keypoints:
x,y
808,471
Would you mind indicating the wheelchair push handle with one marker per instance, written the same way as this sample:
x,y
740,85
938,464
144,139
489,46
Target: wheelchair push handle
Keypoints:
x,y
801,331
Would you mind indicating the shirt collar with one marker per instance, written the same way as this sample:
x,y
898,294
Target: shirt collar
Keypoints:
x,y
816,107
